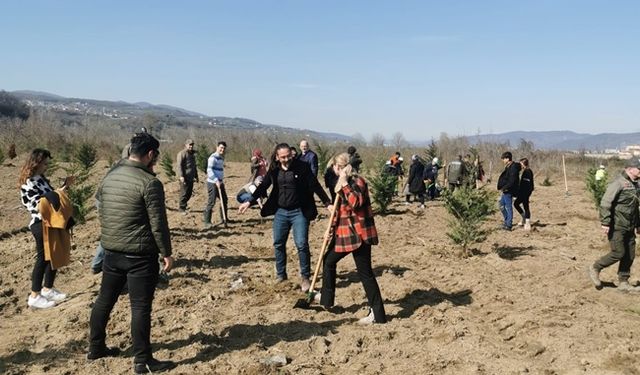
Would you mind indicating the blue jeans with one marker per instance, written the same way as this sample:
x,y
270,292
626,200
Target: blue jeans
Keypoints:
x,y
506,207
283,221
96,262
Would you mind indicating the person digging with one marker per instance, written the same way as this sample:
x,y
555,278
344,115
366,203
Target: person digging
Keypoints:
x,y
353,232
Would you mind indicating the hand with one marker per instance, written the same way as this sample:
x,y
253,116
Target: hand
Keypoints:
x,y
69,181
168,264
218,183
243,207
330,208
605,229
182,180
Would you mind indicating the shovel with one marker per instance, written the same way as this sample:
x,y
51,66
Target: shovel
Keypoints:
x,y
304,303
224,215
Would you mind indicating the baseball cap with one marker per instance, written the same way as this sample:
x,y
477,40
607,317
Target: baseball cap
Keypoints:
x,y
634,162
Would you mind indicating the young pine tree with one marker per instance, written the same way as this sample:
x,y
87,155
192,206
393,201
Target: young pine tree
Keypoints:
x,y
202,155
596,187
468,209
83,159
383,186
167,166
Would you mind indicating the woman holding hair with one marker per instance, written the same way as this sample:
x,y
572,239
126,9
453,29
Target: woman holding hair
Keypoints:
x,y
33,186
354,232
526,188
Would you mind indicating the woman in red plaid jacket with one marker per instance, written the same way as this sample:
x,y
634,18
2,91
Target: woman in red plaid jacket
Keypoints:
x,y
354,231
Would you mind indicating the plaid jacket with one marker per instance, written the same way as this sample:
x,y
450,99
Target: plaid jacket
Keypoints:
x,y
353,223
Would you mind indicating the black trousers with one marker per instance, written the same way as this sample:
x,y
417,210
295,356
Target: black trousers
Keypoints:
x,y
212,189
362,258
141,274
186,190
41,268
524,201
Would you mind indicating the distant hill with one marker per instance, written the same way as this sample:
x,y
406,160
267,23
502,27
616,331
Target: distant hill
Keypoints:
x,y
562,139
124,111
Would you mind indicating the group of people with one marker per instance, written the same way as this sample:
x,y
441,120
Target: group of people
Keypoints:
x,y
135,232
515,181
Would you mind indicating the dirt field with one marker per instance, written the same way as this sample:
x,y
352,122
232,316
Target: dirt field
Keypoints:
x,y
522,304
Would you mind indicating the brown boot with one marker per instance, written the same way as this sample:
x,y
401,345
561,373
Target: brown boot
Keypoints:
x,y
594,275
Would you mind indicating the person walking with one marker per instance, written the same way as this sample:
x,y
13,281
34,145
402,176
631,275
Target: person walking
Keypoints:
x,y
133,221
309,157
524,192
415,182
187,173
508,183
34,185
354,232
620,222
215,185
292,204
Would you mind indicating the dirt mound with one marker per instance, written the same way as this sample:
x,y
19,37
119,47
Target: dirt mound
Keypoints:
x,y
522,304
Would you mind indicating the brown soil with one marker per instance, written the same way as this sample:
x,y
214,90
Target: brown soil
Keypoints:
x,y
521,304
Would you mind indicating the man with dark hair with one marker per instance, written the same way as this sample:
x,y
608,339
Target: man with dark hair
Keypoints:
x,y
309,157
620,221
135,230
292,204
354,158
508,184
187,173
215,185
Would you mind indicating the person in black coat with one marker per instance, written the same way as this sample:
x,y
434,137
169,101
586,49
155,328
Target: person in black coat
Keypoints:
x,y
415,181
508,184
292,204
524,192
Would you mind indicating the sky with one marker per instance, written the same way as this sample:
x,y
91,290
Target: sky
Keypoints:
x,y
351,67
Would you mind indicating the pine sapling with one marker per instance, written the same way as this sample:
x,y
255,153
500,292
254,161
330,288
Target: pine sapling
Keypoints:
x,y
596,187
167,166
468,209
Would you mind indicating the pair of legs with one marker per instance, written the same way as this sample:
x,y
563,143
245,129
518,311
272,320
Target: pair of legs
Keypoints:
x,y
212,189
521,205
362,258
506,207
419,197
283,221
623,250
42,268
186,191
140,272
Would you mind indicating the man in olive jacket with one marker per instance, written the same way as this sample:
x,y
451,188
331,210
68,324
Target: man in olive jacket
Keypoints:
x,y
187,173
135,230
620,221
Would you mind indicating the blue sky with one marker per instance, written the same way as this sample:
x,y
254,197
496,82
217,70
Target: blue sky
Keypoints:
x,y
417,67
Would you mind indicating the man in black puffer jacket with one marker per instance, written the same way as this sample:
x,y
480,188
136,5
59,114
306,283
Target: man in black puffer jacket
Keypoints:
x,y
508,184
135,230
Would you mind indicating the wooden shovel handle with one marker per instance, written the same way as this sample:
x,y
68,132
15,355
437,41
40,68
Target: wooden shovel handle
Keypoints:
x,y
325,242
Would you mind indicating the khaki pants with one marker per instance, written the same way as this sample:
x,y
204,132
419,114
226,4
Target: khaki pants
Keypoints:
x,y
623,250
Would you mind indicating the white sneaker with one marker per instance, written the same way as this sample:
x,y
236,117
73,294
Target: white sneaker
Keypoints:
x,y
39,302
53,294
367,320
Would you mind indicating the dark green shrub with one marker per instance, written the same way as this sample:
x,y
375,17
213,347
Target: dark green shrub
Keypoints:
x,y
167,166
596,187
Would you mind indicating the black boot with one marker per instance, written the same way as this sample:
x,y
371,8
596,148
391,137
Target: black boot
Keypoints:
x,y
153,366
